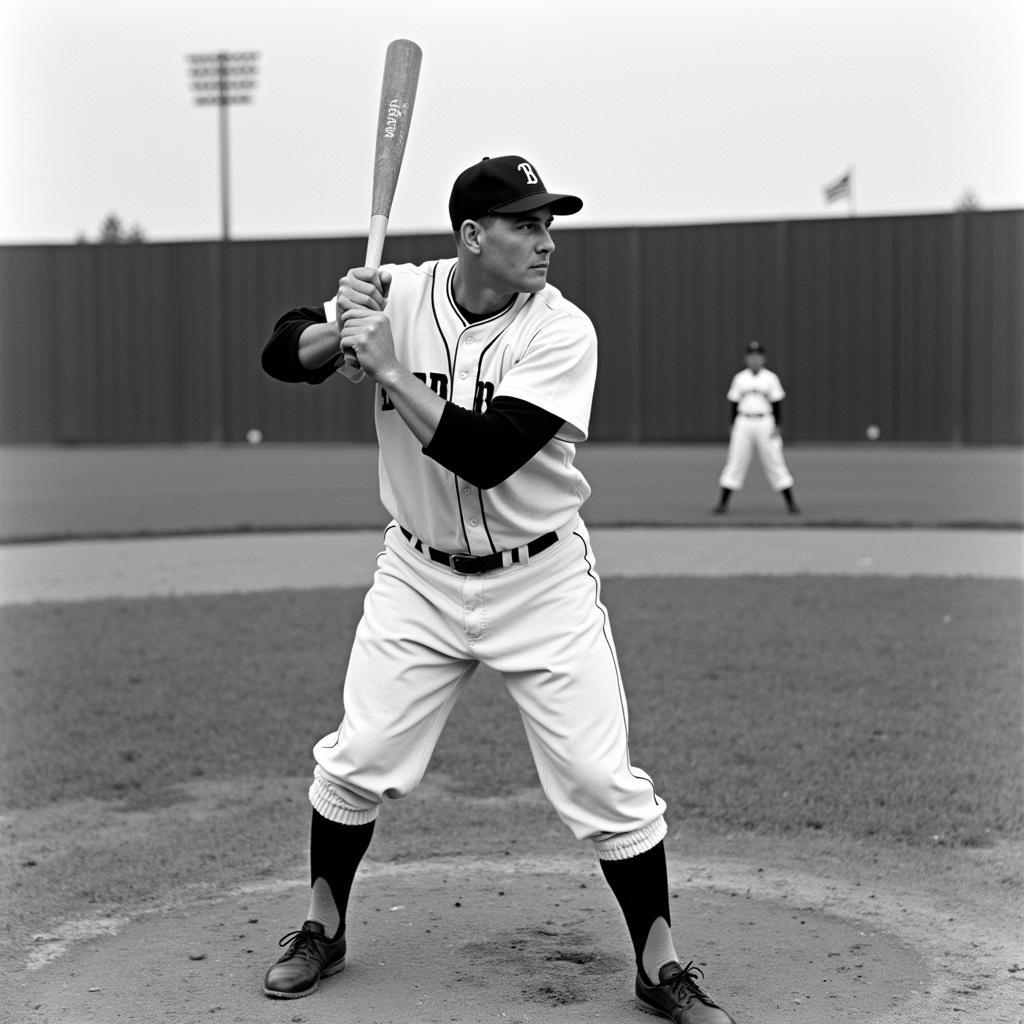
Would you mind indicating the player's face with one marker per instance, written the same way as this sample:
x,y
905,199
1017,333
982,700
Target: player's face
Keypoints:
x,y
754,361
515,251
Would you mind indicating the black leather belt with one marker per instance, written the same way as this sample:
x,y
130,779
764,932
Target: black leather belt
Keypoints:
x,y
471,565
753,415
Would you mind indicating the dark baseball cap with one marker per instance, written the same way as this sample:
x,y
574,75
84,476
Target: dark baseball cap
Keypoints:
x,y
755,346
505,185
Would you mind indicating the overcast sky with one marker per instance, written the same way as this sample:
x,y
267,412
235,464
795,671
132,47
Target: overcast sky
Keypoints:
x,y
654,112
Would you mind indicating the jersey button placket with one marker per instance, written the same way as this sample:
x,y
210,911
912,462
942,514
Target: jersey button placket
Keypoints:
x,y
462,388
465,382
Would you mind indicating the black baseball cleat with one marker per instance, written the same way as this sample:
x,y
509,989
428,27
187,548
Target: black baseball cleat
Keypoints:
x,y
794,510
310,956
678,997
718,510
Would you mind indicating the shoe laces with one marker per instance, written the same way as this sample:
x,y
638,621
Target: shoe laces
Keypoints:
x,y
685,984
304,943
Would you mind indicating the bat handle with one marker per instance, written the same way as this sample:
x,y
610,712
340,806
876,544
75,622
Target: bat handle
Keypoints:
x,y
375,242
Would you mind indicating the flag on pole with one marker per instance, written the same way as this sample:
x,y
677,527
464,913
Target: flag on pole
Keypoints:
x,y
839,188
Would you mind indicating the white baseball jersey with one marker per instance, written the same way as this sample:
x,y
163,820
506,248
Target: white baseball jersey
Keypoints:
x,y
541,349
755,392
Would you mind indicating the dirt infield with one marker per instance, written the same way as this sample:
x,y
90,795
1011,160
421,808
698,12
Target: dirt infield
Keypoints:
x,y
537,940
84,570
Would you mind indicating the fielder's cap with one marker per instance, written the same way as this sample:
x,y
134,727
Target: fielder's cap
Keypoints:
x,y
756,346
505,185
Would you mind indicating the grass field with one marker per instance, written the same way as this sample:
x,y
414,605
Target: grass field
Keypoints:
x,y
742,692
117,491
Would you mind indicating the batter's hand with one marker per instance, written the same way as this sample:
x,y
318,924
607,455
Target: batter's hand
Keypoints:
x,y
366,336
363,288
360,288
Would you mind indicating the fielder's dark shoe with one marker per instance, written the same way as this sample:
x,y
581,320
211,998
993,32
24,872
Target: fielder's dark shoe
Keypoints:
x,y
677,997
310,956
719,510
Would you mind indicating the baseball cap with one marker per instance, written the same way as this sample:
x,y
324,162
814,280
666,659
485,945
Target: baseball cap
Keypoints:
x,y
506,185
756,346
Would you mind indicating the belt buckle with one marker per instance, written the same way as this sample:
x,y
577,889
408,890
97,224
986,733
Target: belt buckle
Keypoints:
x,y
468,561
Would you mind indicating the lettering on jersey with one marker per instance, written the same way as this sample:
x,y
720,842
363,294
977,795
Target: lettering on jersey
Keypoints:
x,y
394,113
531,174
483,396
438,383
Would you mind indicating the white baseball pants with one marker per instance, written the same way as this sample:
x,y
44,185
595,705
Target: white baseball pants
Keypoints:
x,y
750,434
542,626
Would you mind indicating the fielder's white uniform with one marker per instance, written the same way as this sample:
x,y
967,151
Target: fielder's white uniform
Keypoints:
x,y
754,430
538,619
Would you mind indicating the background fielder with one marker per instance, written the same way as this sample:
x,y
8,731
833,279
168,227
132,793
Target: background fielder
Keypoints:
x,y
755,396
484,376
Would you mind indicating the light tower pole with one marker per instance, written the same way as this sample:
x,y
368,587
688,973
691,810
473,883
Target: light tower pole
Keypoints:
x,y
223,79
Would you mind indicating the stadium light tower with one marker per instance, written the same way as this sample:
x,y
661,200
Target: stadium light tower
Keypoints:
x,y
222,80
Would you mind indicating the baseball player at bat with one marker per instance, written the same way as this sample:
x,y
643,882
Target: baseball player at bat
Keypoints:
x,y
755,397
483,376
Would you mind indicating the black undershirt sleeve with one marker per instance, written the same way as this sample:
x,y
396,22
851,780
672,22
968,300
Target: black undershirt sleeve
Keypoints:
x,y
280,357
777,412
487,448
734,408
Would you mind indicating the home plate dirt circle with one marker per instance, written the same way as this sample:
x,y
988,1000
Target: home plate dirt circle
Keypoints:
x,y
535,942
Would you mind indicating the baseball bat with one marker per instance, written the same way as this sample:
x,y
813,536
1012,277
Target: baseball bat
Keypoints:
x,y
397,97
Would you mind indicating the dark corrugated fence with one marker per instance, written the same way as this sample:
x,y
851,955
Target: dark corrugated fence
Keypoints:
x,y
913,323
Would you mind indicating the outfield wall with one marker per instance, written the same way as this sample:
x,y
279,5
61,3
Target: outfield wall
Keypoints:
x,y
913,323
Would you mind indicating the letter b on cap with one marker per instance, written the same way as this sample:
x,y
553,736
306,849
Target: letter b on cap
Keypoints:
x,y
531,175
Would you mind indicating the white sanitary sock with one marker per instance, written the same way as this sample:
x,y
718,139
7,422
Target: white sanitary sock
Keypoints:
x,y
322,908
658,949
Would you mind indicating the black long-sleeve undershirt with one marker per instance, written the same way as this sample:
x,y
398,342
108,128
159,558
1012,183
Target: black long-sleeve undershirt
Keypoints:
x,y
280,358
487,448
482,448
